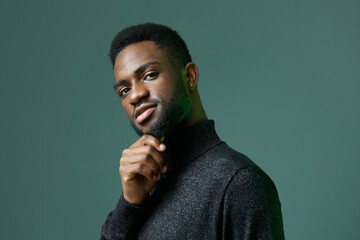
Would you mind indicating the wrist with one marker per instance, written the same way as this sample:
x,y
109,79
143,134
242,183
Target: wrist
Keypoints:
x,y
134,201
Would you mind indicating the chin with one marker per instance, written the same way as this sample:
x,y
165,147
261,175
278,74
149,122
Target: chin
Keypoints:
x,y
149,127
156,129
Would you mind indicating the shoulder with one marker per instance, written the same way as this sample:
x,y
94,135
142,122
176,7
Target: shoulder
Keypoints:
x,y
240,174
224,168
229,161
253,188
248,197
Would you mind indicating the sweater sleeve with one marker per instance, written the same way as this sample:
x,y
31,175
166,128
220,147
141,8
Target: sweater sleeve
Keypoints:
x,y
251,207
124,222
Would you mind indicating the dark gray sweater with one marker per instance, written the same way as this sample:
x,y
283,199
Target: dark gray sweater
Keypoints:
x,y
209,192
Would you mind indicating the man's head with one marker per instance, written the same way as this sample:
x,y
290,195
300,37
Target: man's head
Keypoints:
x,y
155,79
165,38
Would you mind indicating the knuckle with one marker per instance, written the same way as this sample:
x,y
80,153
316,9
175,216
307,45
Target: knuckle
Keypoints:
x,y
124,152
162,163
149,149
143,138
147,157
140,167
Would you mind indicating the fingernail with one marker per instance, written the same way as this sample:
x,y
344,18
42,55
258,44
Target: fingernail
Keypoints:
x,y
165,168
162,146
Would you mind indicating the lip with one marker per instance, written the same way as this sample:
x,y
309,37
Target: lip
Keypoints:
x,y
144,111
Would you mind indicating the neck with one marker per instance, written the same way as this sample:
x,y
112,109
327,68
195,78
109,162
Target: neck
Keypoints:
x,y
187,145
197,113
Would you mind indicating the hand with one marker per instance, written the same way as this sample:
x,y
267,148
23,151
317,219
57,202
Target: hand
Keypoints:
x,y
140,167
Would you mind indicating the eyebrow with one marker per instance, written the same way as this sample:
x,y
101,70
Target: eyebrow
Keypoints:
x,y
138,71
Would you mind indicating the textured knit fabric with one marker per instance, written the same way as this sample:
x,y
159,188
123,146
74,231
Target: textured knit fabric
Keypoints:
x,y
209,192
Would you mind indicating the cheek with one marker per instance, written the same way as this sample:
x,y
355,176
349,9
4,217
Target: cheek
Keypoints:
x,y
163,89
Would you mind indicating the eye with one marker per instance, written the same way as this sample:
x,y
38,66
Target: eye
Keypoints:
x,y
124,91
151,76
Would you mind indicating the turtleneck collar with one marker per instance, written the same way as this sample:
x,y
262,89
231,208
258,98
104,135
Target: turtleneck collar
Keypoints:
x,y
187,145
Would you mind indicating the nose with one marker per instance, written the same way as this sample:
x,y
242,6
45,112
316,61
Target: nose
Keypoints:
x,y
138,92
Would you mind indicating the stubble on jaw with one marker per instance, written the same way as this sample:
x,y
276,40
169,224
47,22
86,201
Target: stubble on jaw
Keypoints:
x,y
174,111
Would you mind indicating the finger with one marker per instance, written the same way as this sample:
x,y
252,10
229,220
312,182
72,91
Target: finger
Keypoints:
x,y
154,158
129,172
150,141
141,158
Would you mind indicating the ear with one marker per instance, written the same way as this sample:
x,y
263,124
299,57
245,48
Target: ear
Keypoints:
x,y
192,75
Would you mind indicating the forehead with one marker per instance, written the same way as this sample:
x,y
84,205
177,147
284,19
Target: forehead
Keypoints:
x,y
135,55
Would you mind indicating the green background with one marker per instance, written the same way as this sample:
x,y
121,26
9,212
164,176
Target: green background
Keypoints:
x,y
281,79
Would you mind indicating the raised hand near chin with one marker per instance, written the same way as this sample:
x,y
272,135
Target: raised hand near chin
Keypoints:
x,y
140,167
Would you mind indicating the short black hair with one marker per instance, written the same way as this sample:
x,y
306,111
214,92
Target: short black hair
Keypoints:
x,y
164,37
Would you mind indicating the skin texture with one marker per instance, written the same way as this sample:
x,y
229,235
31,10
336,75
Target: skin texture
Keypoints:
x,y
148,82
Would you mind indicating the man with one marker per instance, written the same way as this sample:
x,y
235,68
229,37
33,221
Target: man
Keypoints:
x,y
179,180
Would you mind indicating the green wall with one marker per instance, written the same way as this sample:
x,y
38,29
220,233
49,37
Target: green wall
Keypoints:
x,y
281,79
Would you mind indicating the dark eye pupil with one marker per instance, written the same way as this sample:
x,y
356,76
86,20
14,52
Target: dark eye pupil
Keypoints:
x,y
124,91
152,75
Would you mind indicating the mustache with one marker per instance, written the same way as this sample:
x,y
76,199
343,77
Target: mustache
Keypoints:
x,y
151,101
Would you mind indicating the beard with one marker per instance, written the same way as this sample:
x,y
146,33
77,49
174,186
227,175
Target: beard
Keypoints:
x,y
174,111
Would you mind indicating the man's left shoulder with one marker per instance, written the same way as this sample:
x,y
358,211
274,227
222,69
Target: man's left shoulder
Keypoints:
x,y
250,197
226,158
229,165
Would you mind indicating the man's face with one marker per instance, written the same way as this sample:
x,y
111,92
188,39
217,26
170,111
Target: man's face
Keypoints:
x,y
152,90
